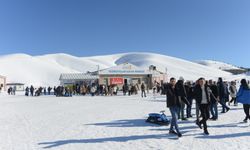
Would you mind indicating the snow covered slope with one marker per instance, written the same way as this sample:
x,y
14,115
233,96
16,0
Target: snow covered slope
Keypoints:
x,y
218,64
45,70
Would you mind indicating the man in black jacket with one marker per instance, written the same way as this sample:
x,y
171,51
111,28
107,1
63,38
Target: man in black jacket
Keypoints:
x,y
173,103
214,100
222,95
189,89
182,95
202,96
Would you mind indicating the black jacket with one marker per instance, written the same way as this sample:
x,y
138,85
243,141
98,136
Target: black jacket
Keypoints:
x,y
190,91
198,94
214,94
181,91
222,90
172,99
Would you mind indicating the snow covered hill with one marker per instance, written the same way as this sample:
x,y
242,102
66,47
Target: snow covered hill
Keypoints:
x,y
218,65
45,70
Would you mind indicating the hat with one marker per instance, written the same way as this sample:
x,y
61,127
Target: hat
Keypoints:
x,y
181,78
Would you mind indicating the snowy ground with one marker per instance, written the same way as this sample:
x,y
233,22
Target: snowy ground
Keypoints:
x,y
108,123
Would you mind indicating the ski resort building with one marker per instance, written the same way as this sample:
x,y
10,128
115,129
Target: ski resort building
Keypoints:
x,y
2,83
118,75
19,86
78,78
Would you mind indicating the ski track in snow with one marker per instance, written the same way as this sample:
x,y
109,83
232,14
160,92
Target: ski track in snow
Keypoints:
x,y
109,123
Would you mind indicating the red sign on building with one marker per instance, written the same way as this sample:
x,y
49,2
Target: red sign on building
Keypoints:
x,y
116,80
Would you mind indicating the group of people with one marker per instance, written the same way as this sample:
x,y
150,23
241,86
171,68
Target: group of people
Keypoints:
x,y
37,91
12,90
207,94
132,89
88,89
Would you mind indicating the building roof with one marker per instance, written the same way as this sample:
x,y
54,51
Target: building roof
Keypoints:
x,y
77,76
15,84
124,69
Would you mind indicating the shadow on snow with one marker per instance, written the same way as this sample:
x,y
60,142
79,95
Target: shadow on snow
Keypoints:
x,y
224,136
101,140
126,123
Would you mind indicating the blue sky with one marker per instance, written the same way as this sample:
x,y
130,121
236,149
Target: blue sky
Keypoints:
x,y
189,29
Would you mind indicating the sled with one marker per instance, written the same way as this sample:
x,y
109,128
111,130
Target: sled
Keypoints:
x,y
158,118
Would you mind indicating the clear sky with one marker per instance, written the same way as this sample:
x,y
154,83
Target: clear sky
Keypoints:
x,y
189,29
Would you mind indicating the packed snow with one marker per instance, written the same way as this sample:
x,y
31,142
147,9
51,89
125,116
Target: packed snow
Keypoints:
x,y
109,123
45,70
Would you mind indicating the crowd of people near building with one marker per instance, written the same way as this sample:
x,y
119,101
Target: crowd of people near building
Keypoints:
x,y
207,94
180,95
88,89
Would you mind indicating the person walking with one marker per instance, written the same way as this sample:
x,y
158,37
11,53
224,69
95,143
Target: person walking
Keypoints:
x,y
32,90
49,90
214,100
93,90
27,91
14,90
190,90
233,92
222,95
243,96
143,90
202,96
174,105
182,95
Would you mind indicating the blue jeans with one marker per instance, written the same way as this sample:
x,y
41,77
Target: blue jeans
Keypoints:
x,y
223,104
174,113
214,110
143,92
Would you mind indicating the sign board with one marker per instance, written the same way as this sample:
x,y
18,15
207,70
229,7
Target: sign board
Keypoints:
x,y
116,80
124,69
